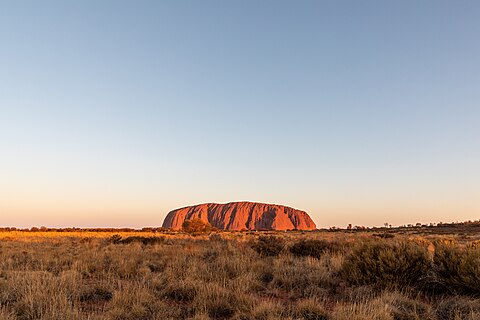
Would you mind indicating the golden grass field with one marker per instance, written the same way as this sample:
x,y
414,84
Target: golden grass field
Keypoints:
x,y
238,275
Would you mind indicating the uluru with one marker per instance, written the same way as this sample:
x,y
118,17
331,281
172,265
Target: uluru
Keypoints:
x,y
241,216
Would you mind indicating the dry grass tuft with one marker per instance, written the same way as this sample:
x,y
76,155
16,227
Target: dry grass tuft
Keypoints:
x,y
268,310
458,308
310,309
387,264
458,268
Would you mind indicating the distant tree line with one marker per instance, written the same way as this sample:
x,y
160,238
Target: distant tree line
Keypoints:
x,y
469,223
74,229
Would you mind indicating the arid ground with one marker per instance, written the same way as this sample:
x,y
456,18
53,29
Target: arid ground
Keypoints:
x,y
409,274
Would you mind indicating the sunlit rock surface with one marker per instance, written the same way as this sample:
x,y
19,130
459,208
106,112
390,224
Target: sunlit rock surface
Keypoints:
x,y
242,215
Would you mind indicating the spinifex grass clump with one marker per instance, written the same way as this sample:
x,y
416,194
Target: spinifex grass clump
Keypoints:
x,y
458,268
386,264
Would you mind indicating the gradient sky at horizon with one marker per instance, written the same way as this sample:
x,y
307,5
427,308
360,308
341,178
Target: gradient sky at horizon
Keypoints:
x,y
112,113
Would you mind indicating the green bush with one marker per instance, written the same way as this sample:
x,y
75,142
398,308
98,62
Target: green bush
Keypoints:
x,y
386,265
196,226
458,268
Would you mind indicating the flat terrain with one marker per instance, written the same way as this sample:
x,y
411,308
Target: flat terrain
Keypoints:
x,y
411,273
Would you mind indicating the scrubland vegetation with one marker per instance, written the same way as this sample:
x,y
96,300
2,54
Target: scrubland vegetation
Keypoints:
x,y
238,275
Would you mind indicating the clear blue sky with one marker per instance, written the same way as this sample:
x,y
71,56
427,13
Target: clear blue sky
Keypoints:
x,y
112,113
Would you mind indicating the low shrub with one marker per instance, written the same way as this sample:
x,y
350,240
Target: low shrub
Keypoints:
x,y
314,248
115,239
269,246
384,235
458,268
143,240
386,265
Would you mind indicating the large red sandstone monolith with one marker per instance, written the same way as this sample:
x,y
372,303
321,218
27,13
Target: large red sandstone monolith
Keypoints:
x,y
242,215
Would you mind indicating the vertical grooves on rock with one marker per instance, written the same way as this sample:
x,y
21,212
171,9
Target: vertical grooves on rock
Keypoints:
x,y
241,215
249,219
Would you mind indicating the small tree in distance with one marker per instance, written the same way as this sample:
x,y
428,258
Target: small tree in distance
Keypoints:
x,y
196,226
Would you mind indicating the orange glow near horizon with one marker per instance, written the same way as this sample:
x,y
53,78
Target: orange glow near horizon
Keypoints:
x,y
137,213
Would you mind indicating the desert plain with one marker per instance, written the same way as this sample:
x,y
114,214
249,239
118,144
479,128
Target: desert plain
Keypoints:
x,y
385,273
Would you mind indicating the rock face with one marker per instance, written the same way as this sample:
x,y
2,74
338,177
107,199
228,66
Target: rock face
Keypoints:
x,y
242,215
